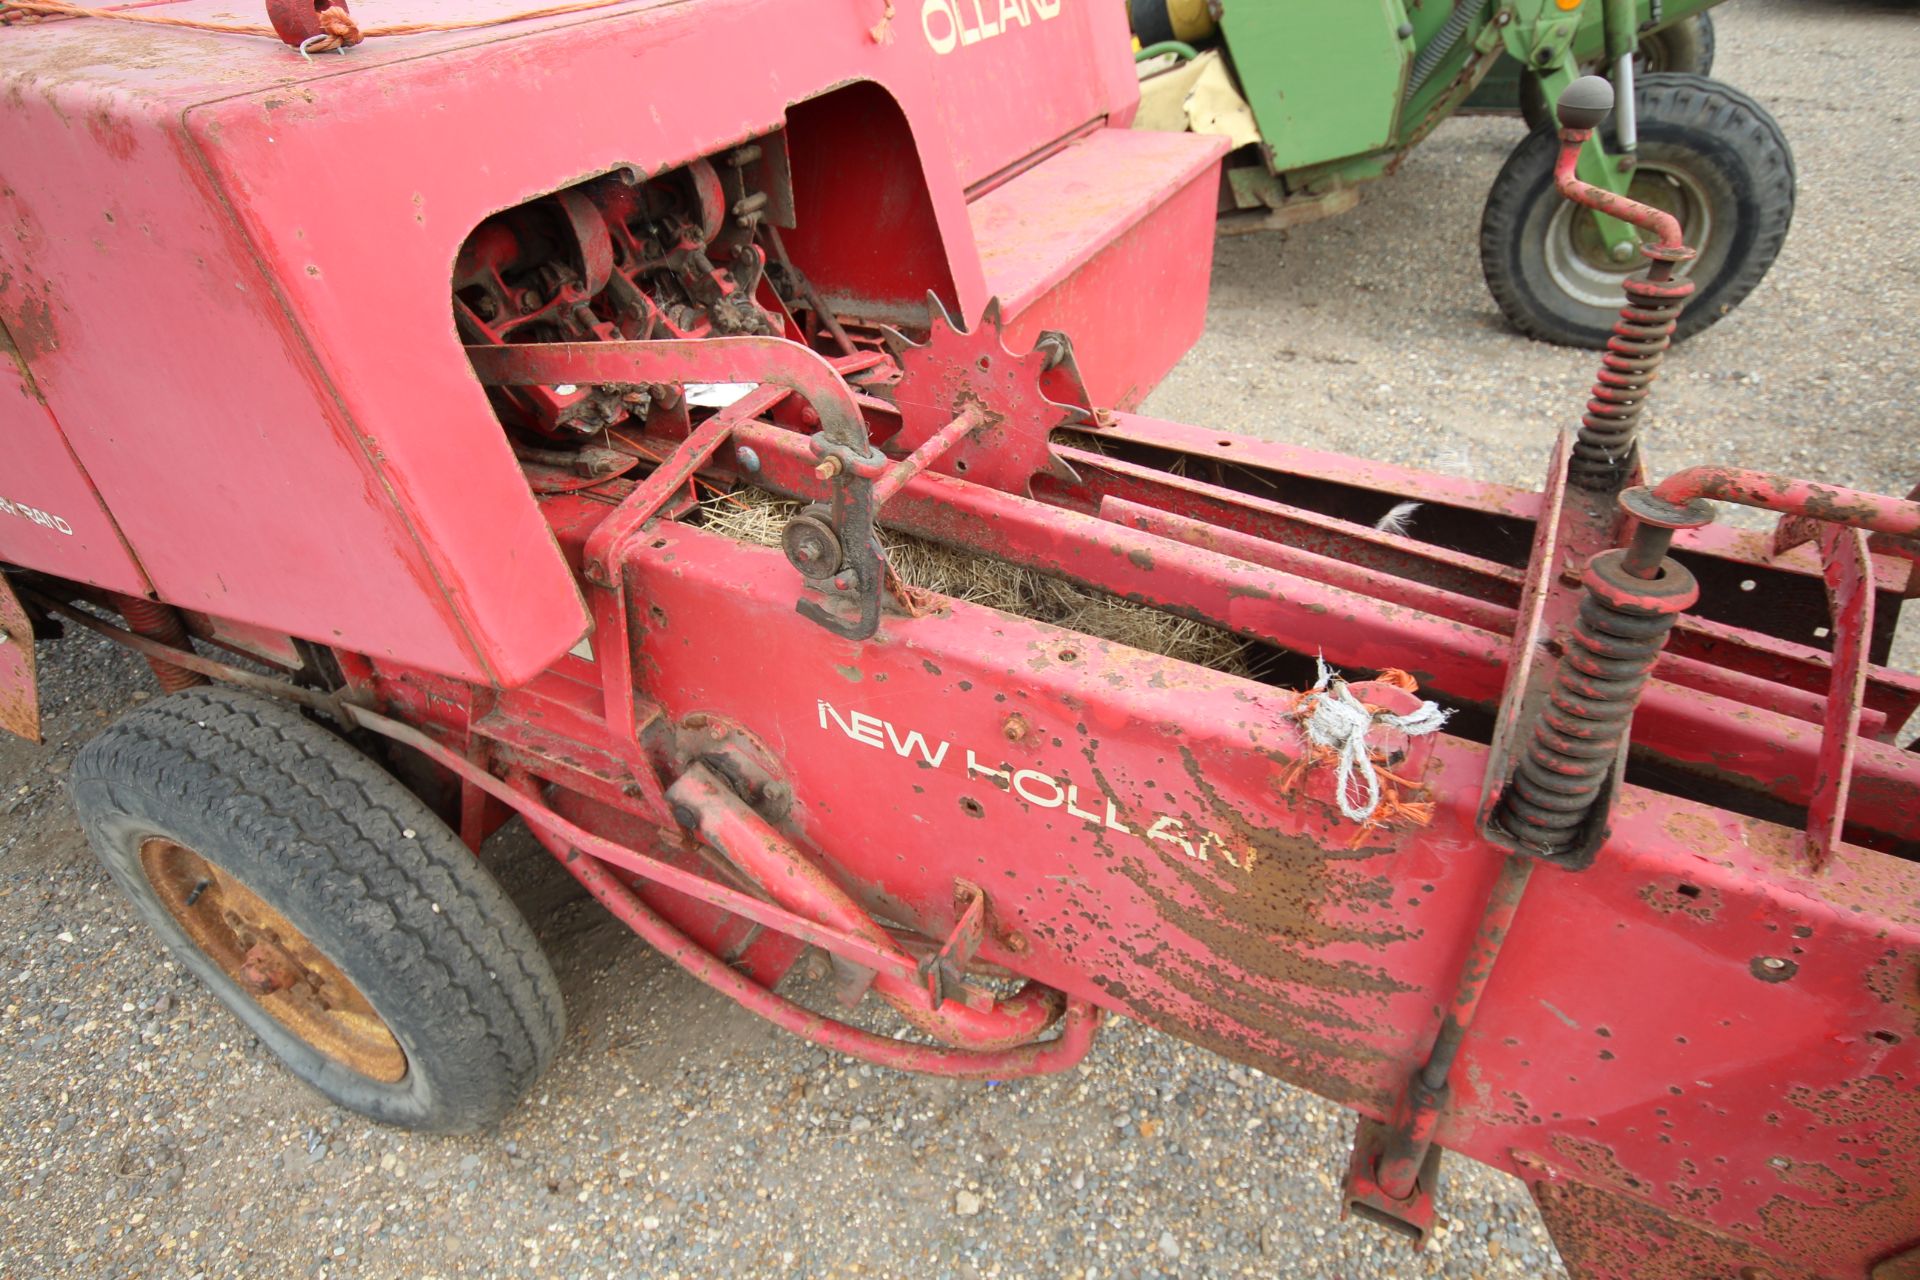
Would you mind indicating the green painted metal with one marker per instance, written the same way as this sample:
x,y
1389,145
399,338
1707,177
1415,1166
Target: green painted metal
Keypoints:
x,y
1340,91
1324,80
1500,90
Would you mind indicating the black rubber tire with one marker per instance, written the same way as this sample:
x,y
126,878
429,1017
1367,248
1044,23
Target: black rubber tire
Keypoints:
x,y
1684,47
1150,21
1533,104
358,864
1724,141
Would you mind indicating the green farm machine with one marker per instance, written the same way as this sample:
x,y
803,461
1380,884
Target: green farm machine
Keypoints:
x,y
1321,98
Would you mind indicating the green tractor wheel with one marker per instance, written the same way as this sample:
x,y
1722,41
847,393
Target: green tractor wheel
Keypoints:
x,y
1685,46
1708,154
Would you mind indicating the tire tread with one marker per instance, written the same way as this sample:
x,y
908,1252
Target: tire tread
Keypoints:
x,y
339,820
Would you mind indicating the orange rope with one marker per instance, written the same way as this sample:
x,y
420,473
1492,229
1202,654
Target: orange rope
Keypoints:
x,y
340,28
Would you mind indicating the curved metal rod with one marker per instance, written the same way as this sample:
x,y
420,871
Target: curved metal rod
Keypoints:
x,y
761,360
726,822
1062,1053
1664,226
1830,502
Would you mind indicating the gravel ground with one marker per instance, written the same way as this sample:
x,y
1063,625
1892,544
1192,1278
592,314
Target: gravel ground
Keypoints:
x,y
145,1133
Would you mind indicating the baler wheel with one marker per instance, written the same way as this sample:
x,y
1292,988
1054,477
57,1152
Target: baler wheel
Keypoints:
x,y
329,909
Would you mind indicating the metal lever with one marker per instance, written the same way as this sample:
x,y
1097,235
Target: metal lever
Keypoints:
x,y
835,545
1604,454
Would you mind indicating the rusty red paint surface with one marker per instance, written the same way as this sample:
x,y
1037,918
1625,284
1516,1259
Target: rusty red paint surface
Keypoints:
x,y
19,691
1828,502
1335,956
1702,1052
213,182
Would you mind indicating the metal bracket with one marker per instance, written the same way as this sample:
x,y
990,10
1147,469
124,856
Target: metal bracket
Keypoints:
x,y
854,566
1847,565
944,971
1362,1195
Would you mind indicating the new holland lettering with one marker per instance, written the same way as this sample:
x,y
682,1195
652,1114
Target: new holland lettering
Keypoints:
x,y
955,24
1034,788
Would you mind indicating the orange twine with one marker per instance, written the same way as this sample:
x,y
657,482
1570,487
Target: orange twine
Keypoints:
x,y
1393,806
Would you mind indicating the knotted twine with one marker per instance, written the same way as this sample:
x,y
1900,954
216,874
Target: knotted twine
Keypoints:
x,y
1340,722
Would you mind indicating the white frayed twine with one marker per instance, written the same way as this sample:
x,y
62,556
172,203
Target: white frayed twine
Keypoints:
x,y
1342,722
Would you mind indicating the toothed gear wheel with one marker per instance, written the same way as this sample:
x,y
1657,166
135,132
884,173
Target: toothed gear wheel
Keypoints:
x,y
1025,398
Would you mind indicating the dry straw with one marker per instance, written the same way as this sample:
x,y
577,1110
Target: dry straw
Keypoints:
x,y
751,515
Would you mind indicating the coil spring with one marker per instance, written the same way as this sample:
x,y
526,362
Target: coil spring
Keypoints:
x,y
161,622
1641,336
1609,655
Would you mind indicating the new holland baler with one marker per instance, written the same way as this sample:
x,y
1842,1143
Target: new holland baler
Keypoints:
x,y
700,430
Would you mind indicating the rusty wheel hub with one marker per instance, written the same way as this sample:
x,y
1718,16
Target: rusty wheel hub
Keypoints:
x,y
274,962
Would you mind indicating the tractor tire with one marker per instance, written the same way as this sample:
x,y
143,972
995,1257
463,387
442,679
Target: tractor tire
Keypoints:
x,y
1686,46
325,905
1708,154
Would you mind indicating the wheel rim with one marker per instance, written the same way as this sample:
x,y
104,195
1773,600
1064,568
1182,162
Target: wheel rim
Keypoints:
x,y
272,961
1577,259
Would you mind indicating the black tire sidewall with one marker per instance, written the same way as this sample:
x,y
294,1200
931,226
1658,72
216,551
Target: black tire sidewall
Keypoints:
x,y
352,944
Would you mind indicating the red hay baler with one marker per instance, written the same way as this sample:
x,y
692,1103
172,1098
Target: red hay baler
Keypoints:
x,y
567,418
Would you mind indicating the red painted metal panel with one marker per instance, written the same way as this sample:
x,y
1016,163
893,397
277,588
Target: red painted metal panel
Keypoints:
x,y
431,550
1695,1021
186,393
1016,75
1106,242
1036,229
50,514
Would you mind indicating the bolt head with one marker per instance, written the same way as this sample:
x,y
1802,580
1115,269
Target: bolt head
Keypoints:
x,y
1621,252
